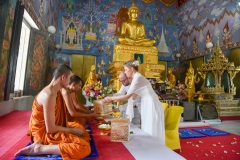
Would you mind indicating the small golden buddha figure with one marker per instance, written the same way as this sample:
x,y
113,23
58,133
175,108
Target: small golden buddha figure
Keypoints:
x,y
92,78
148,73
133,31
171,78
190,81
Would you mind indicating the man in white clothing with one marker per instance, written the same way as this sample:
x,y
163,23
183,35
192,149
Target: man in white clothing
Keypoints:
x,y
123,90
125,84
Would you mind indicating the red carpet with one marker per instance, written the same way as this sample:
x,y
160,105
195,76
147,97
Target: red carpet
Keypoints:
x,y
13,129
211,148
9,155
224,118
14,126
108,150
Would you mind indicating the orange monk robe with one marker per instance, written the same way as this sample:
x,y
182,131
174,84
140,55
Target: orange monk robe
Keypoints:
x,y
70,145
72,121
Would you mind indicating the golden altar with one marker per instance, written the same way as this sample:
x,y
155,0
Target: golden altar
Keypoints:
x,y
148,67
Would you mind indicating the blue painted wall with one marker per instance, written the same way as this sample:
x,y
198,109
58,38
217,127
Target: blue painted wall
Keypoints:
x,y
105,14
217,18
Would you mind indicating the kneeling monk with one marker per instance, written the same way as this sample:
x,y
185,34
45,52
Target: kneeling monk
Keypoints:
x,y
47,126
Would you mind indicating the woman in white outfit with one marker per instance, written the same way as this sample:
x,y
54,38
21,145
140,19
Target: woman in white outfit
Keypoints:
x,y
152,114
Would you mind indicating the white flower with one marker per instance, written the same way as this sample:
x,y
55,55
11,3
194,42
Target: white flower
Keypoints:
x,y
104,126
136,63
92,94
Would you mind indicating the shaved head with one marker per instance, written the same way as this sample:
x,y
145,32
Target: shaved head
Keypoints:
x,y
123,78
61,69
122,75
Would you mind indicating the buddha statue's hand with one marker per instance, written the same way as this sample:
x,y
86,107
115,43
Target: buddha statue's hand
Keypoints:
x,y
141,38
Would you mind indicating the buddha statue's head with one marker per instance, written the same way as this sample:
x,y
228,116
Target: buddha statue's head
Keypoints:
x,y
133,12
93,67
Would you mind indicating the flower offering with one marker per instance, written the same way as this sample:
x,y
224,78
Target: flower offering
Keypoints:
x,y
97,91
180,91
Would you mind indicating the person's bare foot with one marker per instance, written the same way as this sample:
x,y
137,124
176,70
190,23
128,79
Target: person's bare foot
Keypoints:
x,y
33,149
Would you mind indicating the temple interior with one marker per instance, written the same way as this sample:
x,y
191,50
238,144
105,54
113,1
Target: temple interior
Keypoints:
x,y
189,50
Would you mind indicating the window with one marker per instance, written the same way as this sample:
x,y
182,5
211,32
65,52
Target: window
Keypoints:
x,y
23,52
22,57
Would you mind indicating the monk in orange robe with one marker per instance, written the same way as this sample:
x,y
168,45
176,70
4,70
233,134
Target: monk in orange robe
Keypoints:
x,y
77,113
48,128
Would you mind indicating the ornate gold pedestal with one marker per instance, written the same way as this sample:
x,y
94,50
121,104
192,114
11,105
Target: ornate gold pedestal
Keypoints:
x,y
147,56
228,106
126,52
225,104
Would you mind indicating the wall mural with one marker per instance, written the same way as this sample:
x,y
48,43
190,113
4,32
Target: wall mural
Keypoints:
x,y
54,60
202,21
180,3
43,13
93,26
4,53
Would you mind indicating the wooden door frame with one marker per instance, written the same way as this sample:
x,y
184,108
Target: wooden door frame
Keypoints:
x,y
38,39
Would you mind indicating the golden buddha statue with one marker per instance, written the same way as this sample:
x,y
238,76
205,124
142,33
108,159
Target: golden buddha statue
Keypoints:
x,y
171,78
92,78
133,44
133,31
149,73
190,81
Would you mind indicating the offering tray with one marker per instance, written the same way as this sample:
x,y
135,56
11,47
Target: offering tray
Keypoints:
x,y
116,114
104,129
99,119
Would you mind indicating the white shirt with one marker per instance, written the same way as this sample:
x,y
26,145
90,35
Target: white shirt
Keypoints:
x,y
123,90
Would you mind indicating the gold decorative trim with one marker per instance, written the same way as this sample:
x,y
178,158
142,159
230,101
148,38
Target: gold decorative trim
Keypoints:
x,y
147,1
168,3
217,64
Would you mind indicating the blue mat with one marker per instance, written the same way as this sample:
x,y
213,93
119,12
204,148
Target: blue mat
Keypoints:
x,y
89,127
211,131
93,155
187,133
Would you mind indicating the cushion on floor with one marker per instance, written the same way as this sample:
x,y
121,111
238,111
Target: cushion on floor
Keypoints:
x,y
211,131
93,155
187,133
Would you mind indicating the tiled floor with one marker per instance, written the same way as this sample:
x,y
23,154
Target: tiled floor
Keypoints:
x,y
232,126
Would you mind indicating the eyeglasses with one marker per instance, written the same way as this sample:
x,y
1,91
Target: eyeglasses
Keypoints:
x,y
122,81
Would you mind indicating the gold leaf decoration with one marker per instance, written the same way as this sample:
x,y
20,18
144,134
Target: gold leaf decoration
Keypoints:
x,y
148,1
168,3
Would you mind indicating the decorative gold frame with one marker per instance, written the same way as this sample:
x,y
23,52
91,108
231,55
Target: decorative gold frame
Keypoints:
x,y
217,64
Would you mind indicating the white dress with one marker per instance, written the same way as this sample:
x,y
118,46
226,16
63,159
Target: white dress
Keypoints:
x,y
152,114
123,90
